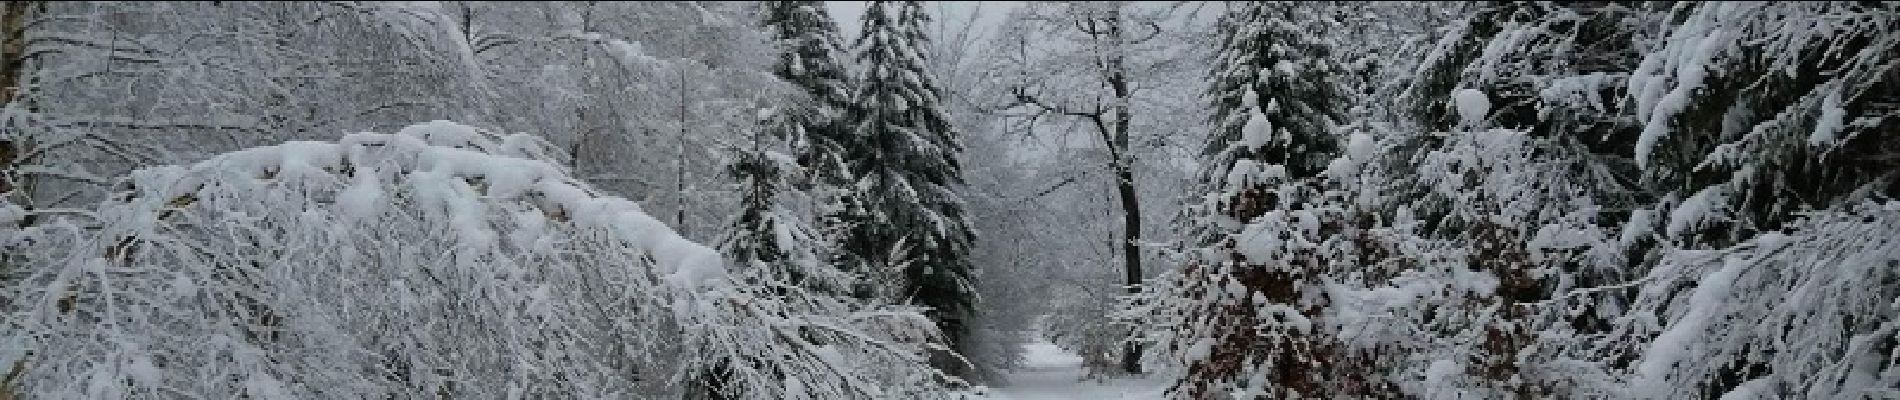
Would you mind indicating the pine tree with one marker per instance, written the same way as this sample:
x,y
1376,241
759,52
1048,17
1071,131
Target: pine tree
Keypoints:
x,y
903,152
813,127
1276,98
1553,70
1750,119
809,48
1540,118
791,271
770,239
1766,130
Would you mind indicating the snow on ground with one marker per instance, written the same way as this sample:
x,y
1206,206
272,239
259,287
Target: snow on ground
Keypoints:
x,y
1050,373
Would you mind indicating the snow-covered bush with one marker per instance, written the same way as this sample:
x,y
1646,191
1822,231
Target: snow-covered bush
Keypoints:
x,y
438,261
782,341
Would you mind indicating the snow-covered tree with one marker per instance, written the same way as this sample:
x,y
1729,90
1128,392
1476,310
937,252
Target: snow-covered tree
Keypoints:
x,y
1415,261
904,154
794,287
770,234
813,123
1276,101
1110,83
441,260
612,81
1247,294
1806,314
1765,135
1509,164
1754,112
808,56
114,86
13,140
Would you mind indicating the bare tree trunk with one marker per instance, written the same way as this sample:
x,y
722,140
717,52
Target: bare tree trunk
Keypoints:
x,y
13,47
13,19
1131,254
1117,76
679,161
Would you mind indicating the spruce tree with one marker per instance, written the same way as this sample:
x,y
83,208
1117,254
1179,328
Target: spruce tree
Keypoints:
x,y
1275,96
1276,99
1758,121
814,127
1765,120
1551,75
809,48
770,240
903,151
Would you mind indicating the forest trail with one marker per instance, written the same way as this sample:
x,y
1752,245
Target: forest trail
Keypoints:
x,y
1051,373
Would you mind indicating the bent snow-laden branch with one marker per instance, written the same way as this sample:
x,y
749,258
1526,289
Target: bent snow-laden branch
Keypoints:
x,y
439,260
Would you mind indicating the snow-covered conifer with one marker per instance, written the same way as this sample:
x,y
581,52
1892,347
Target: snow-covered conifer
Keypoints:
x,y
904,154
1248,292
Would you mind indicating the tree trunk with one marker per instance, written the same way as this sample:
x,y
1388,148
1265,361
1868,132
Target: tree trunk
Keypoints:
x,y
679,161
1131,255
13,19
1116,72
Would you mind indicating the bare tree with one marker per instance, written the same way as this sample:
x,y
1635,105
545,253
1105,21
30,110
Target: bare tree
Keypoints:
x,y
1100,67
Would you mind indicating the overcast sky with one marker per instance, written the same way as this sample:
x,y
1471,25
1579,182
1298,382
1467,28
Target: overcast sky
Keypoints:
x,y
990,13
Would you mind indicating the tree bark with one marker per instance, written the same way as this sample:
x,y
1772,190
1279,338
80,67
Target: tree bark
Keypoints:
x,y
1131,255
1116,73
679,161
13,20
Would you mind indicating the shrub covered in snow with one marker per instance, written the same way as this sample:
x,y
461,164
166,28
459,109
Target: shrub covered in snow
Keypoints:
x,y
439,260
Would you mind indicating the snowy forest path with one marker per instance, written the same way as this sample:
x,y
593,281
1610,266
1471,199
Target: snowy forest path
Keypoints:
x,y
1050,373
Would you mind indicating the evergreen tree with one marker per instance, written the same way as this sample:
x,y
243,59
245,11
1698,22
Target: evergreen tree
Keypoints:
x,y
1766,130
903,152
809,48
1750,116
1555,72
812,128
1518,135
771,240
1276,99
766,245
